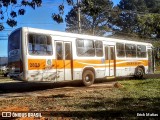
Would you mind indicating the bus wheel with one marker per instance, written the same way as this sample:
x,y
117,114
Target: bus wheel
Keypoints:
x,y
88,78
139,73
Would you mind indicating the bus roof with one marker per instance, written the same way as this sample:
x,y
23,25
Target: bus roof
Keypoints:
x,y
80,36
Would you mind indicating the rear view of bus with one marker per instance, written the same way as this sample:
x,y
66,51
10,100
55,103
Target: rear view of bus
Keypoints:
x,y
14,54
30,55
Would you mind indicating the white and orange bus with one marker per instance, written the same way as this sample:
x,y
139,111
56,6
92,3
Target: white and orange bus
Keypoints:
x,y
44,55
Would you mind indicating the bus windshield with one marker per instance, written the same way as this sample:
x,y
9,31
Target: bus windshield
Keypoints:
x,y
14,44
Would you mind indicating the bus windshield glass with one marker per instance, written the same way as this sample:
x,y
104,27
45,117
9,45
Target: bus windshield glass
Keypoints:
x,y
14,44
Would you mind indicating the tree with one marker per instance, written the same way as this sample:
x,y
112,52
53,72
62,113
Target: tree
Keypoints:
x,y
149,25
124,21
127,18
153,6
136,17
72,22
133,5
13,8
94,17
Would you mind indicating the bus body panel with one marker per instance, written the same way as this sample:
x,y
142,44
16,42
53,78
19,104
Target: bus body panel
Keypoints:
x,y
61,60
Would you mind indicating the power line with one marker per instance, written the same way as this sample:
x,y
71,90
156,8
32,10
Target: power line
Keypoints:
x,y
38,23
6,30
44,23
53,4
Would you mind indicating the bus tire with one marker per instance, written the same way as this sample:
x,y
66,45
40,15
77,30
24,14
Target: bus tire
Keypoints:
x,y
5,75
139,73
88,77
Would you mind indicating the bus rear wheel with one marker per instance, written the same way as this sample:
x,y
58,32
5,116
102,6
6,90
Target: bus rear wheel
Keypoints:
x,y
139,73
88,77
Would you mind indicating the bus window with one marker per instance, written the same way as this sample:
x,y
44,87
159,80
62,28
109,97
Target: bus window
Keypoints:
x,y
59,53
130,50
120,50
112,56
39,44
67,51
14,42
99,48
141,51
106,53
85,48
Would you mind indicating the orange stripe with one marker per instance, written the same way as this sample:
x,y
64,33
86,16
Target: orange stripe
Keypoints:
x,y
36,64
40,64
83,63
123,63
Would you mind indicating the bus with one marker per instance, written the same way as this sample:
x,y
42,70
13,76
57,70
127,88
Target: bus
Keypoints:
x,y
45,55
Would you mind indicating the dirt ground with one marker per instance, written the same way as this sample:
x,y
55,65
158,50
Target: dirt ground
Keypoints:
x,y
15,94
20,89
52,97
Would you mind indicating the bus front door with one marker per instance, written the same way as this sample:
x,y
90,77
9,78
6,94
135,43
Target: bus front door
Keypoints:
x,y
63,60
110,60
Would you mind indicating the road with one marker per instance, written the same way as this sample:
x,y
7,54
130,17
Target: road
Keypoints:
x,y
20,89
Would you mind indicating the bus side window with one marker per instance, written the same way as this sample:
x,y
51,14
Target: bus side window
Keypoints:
x,y
99,48
85,48
141,51
120,50
31,42
67,51
130,50
59,53
112,57
39,44
106,53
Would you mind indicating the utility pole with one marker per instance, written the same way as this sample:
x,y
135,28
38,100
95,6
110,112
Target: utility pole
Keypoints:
x,y
0,65
79,16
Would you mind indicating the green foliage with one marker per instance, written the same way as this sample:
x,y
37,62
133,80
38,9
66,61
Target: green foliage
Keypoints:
x,y
149,25
11,9
153,6
133,5
72,21
125,21
136,17
139,17
94,17
14,12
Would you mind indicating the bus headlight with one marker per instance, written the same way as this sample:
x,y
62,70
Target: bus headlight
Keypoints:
x,y
13,68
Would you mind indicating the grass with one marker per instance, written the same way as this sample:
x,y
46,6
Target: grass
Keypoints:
x,y
137,96
5,79
141,88
157,72
157,67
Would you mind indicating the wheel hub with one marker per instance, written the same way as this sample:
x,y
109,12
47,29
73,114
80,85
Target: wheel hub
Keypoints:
x,y
87,78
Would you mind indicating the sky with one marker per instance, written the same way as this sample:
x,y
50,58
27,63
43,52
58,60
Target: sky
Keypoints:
x,y
38,18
